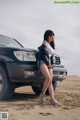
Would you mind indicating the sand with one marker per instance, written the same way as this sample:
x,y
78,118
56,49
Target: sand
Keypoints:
x,y
25,105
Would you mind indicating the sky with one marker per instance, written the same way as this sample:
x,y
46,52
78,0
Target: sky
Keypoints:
x,y
27,20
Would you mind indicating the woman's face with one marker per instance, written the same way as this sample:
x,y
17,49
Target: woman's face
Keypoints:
x,y
51,38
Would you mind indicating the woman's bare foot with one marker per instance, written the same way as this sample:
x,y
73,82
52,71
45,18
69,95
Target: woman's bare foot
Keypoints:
x,y
54,102
42,99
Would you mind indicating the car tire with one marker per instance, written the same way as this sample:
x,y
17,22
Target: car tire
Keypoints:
x,y
38,89
6,87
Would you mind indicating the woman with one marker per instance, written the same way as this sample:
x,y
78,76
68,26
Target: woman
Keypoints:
x,y
45,65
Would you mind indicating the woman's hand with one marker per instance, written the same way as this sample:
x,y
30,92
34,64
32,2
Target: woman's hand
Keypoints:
x,y
50,66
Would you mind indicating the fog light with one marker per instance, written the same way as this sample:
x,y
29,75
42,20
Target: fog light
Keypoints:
x,y
29,73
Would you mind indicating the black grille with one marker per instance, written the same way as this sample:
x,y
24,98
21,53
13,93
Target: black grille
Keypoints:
x,y
57,60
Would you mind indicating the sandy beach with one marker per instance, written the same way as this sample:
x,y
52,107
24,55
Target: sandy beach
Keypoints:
x,y
25,105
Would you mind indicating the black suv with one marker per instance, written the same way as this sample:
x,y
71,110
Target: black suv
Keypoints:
x,y
18,67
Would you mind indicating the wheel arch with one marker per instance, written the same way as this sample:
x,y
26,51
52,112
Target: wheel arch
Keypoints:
x,y
3,63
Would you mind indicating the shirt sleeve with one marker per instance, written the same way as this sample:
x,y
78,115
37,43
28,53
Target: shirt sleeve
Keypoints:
x,y
44,57
49,49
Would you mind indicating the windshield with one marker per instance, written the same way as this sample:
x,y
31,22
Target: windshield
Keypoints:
x,y
9,42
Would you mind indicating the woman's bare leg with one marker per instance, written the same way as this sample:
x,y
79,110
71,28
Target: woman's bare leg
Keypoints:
x,y
51,92
50,88
45,72
47,85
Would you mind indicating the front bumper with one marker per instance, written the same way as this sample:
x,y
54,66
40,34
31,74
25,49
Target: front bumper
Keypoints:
x,y
59,73
29,73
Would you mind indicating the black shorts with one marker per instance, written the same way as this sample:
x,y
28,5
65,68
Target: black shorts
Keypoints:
x,y
41,62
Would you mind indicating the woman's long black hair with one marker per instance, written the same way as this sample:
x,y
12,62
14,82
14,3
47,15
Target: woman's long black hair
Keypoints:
x,y
47,34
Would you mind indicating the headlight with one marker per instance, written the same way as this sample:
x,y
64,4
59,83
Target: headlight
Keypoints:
x,y
25,56
62,61
54,60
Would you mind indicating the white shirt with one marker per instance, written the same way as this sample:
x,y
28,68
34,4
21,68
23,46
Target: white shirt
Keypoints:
x,y
49,49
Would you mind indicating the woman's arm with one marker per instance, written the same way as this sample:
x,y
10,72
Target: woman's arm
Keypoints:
x,y
48,47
